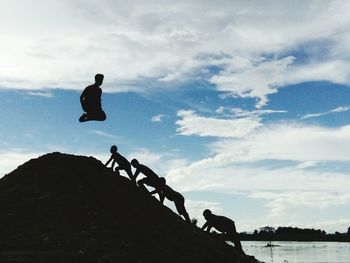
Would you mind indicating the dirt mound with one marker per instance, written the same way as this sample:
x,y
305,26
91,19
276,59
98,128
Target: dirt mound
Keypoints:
x,y
66,208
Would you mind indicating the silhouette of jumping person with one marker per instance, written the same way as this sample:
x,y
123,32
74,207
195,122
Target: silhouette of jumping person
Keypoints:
x,y
90,100
123,163
166,191
224,225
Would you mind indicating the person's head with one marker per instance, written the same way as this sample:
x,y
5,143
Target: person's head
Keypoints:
x,y
114,149
135,163
161,182
207,213
99,79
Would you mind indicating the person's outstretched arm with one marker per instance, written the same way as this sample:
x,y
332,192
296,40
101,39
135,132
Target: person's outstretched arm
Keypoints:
x,y
160,193
205,226
137,172
110,159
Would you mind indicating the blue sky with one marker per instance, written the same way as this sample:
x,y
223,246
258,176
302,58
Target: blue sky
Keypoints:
x,y
243,107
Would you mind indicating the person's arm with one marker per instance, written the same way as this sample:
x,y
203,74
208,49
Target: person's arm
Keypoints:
x,y
205,226
160,193
82,96
83,100
137,172
161,197
154,192
110,159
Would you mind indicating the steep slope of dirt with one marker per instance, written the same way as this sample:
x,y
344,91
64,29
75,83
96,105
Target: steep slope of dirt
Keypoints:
x,y
66,208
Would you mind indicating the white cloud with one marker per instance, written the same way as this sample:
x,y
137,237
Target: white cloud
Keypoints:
x,y
102,133
320,114
157,118
289,142
12,158
136,43
192,124
304,209
257,80
160,163
307,187
40,94
280,201
224,175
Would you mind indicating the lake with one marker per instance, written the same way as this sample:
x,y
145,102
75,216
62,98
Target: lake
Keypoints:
x,y
297,252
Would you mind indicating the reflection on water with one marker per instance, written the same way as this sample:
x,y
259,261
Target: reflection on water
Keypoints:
x,y
299,252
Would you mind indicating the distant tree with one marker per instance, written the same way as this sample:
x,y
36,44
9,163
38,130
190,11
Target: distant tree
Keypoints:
x,y
267,229
349,231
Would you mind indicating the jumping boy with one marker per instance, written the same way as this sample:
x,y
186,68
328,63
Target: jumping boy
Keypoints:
x,y
90,101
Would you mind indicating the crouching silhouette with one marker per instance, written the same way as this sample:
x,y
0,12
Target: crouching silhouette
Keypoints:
x,y
123,163
151,178
90,101
166,191
224,225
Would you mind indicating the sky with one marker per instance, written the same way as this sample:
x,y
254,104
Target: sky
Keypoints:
x,y
243,106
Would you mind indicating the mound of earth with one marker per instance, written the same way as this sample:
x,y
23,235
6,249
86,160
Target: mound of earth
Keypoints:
x,y
66,208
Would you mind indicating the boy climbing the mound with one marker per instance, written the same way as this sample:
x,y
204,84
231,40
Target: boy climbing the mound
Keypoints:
x,y
90,101
165,191
224,225
123,163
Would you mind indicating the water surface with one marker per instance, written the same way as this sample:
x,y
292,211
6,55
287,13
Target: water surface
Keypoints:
x,y
299,252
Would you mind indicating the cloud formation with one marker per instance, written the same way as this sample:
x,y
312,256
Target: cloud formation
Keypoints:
x,y
193,124
143,46
320,114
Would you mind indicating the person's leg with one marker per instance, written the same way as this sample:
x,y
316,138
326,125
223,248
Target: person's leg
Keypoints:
x,y
94,116
141,183
180,207
131,176
117,170
101,116
83,117
237,243
234,238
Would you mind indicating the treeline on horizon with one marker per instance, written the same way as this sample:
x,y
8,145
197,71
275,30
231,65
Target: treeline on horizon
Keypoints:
x,y
294,234
289,234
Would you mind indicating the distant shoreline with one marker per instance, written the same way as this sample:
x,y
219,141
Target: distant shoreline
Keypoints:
x,y
296,240
273,237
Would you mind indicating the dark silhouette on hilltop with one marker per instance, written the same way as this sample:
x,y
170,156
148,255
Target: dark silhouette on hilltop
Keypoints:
x,y
123,163
151,179
165,191
90,101
224,225
65,208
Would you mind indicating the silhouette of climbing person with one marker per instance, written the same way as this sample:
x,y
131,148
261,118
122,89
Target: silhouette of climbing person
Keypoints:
x,y
222,224
90,100
151,178
123,163
166,191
